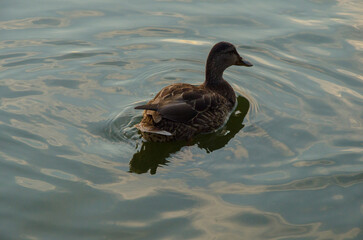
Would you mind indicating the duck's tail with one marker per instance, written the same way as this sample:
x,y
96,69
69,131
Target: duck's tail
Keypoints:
x,y
153,107
152,129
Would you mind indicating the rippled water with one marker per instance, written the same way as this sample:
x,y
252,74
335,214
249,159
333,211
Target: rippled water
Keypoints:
x,y
287,165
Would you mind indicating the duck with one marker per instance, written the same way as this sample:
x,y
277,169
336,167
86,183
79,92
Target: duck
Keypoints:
x,y
181,111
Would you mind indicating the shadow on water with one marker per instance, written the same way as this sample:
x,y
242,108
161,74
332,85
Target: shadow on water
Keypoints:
x,y
151,154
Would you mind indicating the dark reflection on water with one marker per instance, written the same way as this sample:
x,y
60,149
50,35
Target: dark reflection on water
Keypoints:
x,y
151,155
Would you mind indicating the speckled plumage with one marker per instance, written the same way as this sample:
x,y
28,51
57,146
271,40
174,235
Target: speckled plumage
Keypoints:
x,y
180,111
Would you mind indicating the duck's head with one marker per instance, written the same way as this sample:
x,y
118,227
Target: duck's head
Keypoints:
x,y
224,54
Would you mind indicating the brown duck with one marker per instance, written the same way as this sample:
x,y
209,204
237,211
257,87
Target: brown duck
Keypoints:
x,y
180,111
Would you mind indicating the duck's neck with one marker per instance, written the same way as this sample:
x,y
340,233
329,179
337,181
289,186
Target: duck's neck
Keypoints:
x,y
214,81
214,73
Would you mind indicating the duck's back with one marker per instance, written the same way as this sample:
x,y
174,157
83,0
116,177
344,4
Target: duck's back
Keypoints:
x,y
180,111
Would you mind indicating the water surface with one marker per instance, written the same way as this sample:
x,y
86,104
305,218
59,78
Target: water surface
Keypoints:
x,y
287,165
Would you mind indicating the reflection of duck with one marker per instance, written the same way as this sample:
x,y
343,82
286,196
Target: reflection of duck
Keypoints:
x,y
180,111
153,154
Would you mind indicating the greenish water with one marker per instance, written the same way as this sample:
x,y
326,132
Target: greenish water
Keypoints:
x,y
287,165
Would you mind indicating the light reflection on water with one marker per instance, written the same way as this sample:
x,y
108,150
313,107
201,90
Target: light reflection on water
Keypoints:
x,y
287,165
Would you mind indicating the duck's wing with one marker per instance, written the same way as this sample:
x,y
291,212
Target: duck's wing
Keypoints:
x,y
183,107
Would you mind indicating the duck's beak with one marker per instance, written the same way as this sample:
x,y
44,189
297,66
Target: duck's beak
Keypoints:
x,y
243,62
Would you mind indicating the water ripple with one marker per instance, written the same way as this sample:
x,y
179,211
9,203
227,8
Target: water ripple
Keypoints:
x,y
37,22
120,127
67,56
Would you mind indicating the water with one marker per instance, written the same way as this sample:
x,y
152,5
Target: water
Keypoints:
x,y
288,164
